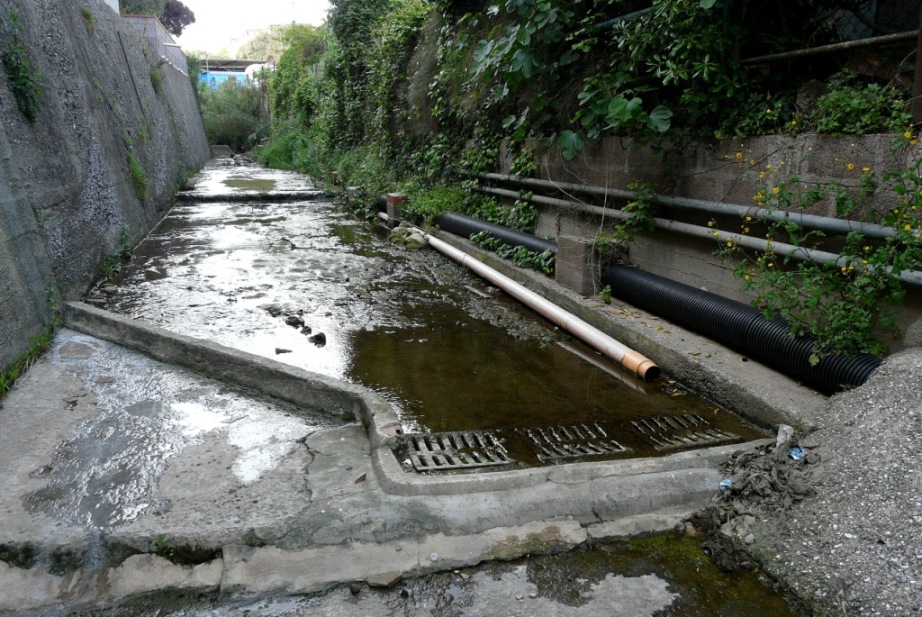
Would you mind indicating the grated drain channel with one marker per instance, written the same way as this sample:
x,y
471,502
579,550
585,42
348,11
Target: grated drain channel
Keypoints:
x,y
456,450
689,430
560,443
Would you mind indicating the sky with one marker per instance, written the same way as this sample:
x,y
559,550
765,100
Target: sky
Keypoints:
x,y
223,24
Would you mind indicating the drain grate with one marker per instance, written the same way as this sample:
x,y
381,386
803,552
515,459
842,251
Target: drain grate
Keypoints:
x,y
456,450
689,430
560,443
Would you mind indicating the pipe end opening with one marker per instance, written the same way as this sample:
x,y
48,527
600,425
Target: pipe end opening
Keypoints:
x,y
649,371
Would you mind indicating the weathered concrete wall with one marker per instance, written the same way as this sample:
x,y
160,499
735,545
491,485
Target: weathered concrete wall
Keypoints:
x,y
726,172
66,192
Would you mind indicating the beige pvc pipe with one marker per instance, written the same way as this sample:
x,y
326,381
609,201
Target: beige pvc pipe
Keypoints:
x,y
631,360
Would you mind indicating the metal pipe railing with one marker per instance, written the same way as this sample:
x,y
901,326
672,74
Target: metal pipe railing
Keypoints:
x,y
798,253
810,221
834,47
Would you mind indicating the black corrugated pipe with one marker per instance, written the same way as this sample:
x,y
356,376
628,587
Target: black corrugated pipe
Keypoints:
x,y
466,226
739,326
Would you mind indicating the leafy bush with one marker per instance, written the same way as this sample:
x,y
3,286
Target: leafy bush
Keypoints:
x,y
426,204
843,305
234,115
520,255
858,108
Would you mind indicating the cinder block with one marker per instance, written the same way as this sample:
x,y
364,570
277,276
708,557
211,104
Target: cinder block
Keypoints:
x,y
577,265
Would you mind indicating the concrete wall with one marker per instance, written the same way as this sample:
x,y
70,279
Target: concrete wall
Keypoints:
x,y
725,172
66,195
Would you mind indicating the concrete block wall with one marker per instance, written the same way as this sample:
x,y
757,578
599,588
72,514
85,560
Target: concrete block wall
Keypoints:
x,y
66,193
726,172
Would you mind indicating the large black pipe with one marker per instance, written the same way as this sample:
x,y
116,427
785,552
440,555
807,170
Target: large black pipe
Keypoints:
x,y
465,226
740,327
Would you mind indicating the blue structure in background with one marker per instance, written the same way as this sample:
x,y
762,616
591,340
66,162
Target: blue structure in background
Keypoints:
x,y
214,79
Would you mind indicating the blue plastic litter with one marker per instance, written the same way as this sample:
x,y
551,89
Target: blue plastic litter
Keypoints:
x,y
796,453
725,484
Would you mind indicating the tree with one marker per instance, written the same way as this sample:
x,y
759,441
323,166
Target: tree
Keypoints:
x,y
173,14
176,16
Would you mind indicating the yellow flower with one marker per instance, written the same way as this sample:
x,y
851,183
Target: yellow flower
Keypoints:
x,y
761,174
844,268
913,142
748,218
793,122
768,111
864,261
776,190
715,234
866,170
752,161
851,166
747,277
739,155
867,248
771,264
729,244
758,196
710,223
745,230
907,227
907,134
768,167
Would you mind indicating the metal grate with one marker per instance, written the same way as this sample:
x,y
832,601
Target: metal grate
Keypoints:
x,y
685,431
456,450
559,443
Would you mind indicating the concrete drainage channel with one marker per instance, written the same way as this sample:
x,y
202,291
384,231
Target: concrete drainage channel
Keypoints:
x,y
366,500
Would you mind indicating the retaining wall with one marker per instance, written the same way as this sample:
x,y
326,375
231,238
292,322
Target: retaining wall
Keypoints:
x,y
726,172
66,193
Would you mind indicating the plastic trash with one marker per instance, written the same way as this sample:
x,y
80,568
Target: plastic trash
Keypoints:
x,y
725,484
796,453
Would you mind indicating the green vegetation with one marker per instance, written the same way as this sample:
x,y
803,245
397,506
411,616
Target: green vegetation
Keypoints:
x,y
38,344
856,108
89,19
22,79
138,176
419,96
845,305
113,262
173,14
605,294
156,76
234,115
520,256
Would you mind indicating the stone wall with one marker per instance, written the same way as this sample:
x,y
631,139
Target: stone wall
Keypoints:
x,y
67,198
726,172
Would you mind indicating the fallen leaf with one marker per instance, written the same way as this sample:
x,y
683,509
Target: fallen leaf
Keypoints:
x,y
361,478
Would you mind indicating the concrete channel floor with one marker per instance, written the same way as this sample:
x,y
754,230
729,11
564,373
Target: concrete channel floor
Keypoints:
x,y
130,461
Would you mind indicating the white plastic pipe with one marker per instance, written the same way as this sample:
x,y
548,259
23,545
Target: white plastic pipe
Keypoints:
x,y
631,360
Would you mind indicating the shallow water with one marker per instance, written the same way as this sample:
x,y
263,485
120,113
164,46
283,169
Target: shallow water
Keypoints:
x,y
448,351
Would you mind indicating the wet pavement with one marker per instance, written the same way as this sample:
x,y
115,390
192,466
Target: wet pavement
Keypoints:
x,y
147,489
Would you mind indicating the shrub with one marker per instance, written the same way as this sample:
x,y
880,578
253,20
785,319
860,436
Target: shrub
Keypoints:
x,y
234,115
